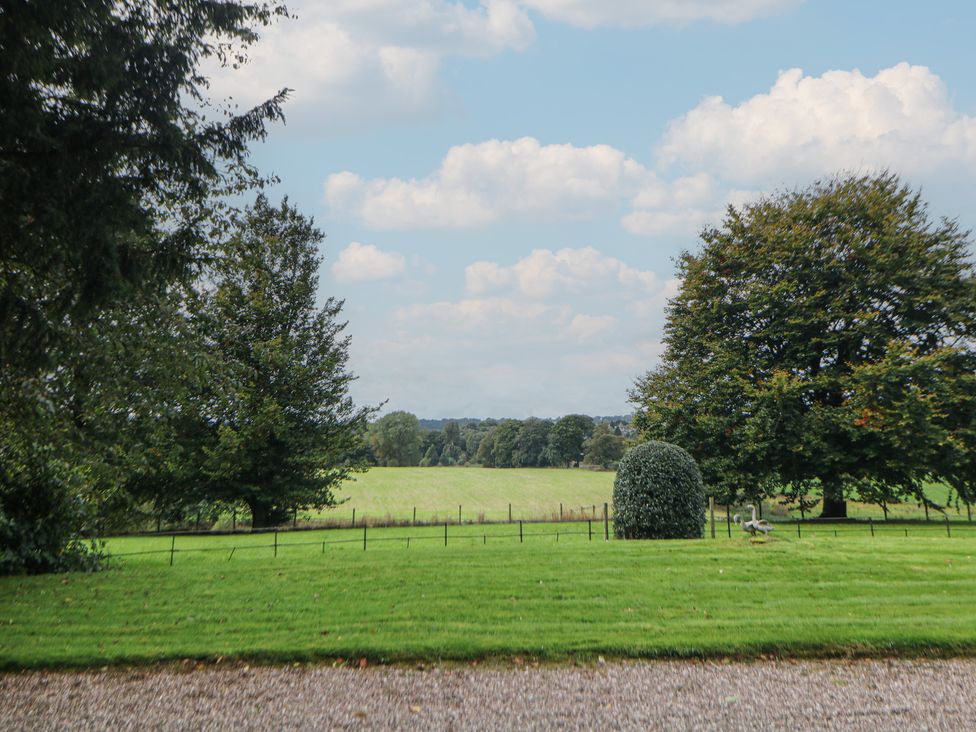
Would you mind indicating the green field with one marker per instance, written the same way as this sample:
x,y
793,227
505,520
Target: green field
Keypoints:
x,y
383,495
487,595
483,493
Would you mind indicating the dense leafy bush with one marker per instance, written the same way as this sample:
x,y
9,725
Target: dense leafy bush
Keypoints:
x,y
658,494
42,519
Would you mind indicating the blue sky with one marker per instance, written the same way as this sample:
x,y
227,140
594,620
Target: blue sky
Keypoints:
x,y
505,185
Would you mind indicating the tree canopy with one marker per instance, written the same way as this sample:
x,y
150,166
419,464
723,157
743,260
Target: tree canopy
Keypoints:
x,y
282,419
114,170
821,338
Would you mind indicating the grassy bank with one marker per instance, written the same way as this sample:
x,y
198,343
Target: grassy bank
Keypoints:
x,y
489,595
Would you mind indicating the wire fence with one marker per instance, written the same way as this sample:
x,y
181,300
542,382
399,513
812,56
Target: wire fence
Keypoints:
x,y
599,527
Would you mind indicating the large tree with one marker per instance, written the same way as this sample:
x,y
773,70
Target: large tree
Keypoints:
x,y
396,439
819,338
567,437
114,164
281,417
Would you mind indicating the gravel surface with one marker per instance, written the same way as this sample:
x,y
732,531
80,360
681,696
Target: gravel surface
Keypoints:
x,y
860,695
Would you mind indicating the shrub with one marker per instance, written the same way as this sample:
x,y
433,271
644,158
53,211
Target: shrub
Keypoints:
x,y
658,494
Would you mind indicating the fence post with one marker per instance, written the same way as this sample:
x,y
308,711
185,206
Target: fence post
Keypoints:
x,y
589,527
948,533
520,531
234,520
354,518
414,515
459,515
509,513
294,519
560,511
606,522
728,518
172,550
323,547
711,510
276,543
871,524
445,533
364,536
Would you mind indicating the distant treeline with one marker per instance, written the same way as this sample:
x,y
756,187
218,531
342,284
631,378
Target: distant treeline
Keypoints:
x,y
401,439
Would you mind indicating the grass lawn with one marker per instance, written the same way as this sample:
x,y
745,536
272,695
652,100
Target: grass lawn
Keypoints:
x,y
486,594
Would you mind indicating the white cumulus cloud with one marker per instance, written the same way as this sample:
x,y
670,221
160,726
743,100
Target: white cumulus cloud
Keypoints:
x,y
362,61
365,262
630,13
479,183
545,273
901,118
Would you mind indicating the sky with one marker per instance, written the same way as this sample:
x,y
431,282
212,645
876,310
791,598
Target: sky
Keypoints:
x,y
505,185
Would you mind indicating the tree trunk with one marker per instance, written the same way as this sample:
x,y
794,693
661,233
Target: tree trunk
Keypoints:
x,y
260,518
834,505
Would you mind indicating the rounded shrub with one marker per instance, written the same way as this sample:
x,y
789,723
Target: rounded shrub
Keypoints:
x,y
658,494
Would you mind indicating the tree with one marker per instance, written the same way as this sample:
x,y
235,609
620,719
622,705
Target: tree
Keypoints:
x,y
114,167
532,448
820,335
105,111
396,439
567,437
282,419
603,447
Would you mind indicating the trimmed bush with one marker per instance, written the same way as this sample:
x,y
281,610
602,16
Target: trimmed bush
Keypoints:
x,y
658,494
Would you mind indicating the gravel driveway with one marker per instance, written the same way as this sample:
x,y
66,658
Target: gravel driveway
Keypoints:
x,y
858,695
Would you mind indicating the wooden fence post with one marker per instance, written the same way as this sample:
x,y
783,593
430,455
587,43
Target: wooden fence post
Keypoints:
x,y
606,522
172,550
276,543
445,533
711,510
364,536
520,531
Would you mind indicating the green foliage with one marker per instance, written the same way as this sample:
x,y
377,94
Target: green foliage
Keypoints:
x,y
567,437
603,447
281,422
658,494
42,512
114,169
396,439
821,335
110,165
532,444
